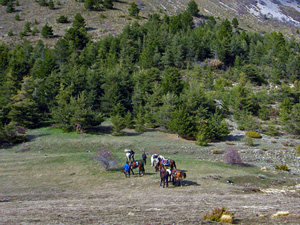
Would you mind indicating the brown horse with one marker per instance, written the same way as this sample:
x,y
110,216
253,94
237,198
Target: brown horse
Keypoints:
x,y
137,164
165,163
179,175
164,175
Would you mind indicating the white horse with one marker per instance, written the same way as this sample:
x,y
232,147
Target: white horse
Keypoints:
x,y
169,174
129,153
154,158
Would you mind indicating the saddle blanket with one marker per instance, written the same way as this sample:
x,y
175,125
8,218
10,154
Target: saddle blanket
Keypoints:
x,y
166,162
174,172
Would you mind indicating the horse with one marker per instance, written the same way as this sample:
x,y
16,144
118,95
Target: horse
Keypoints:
x,y
165,163
164,177
169,174
155,157
137,164
129,155
179,175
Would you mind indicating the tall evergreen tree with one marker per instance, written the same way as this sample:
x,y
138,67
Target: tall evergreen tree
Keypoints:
x,y
192,8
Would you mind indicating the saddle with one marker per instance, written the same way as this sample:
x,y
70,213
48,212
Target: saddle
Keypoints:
x,y
174,171
137,163
166,162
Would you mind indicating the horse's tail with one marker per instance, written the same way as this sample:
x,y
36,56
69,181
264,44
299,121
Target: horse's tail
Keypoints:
x,y
175,165
184,175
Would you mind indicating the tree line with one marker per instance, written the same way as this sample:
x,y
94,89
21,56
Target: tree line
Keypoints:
x,y
167,72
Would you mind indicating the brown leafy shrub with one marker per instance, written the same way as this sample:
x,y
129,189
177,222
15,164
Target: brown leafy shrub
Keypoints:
x,y
217,214
274,112
253,134
232,157
215,63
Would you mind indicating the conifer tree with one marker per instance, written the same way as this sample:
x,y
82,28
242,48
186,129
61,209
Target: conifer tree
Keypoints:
x,y
192,8
134,10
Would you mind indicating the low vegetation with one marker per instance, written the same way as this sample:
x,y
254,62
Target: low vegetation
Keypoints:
x,y
219,215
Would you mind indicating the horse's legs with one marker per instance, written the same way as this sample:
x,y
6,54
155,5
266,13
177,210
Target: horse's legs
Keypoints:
x,y
166,178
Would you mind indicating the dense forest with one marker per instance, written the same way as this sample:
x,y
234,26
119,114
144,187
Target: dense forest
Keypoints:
x,y
167,72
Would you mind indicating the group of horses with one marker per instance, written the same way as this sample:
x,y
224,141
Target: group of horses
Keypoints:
x,y
167,168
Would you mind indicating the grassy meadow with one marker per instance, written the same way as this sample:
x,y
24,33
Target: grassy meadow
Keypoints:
x,y
54,178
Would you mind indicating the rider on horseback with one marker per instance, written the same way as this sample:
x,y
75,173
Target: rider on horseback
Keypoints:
x,y
132,154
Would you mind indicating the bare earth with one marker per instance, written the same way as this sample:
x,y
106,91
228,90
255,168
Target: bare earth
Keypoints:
x,y
140,200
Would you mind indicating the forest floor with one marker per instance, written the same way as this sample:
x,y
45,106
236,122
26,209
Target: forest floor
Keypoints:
x,y
57,181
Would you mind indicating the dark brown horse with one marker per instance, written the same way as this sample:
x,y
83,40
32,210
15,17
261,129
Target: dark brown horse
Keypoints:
x,y
179,175
165,163
137,164
164,175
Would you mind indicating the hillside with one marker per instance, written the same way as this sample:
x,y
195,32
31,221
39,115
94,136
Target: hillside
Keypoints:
x,y
262,16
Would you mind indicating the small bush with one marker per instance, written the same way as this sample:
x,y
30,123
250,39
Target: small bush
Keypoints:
x,y
201,139
253,134
10,33
283,167
217,151
106,158
102,16
271,130
297,149
232,157
217,214
17,17
62,19
248,140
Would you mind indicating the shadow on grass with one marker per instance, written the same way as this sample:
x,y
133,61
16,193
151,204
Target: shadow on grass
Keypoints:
x,y
234,137
184,183
90,28
29,138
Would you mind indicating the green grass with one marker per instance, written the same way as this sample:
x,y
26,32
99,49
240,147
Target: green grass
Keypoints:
x,y
59,172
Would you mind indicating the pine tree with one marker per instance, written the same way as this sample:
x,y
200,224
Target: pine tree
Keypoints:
x,y
235,23
10,7
47,31
51,4
17,17
134,10
118,124
89,4
79,22
108,4
192,8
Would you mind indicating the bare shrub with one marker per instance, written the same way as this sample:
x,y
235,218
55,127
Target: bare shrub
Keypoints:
x,y
232,157
106,158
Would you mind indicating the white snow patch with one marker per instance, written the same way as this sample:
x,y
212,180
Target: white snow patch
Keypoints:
x,y
207,11
272,9
227,6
